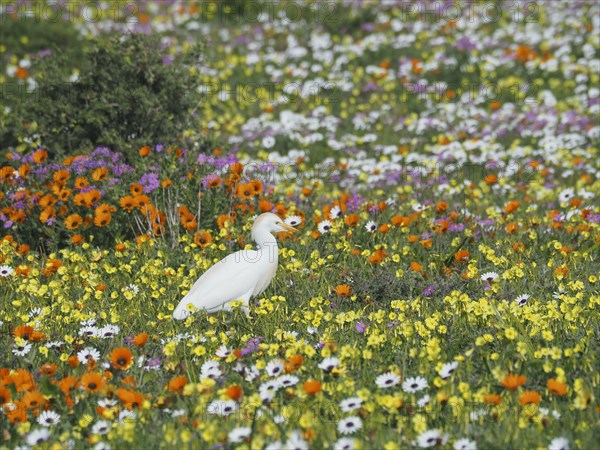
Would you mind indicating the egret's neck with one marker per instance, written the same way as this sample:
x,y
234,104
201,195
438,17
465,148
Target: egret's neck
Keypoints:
x,y
264,239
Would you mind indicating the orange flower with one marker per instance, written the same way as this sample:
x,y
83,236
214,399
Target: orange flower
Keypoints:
x,y
127,202
311,387
234,392
100,174
512,206
244,191
415,266
513,381
177,383
351,220
294,362
265,205
121,358
492,399
491,179
33,399
61,177
140,339
202,238
48,368
462,255
136,189
5,396
39,156
144,151
556,387
23,331
77,239
102,219
343,290
529,397
92,382
68,384
73,361
130,398
17,414
73,221
377,256
80,183
426,243
441,207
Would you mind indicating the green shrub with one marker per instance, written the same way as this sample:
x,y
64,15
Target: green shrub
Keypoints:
x,y
126,96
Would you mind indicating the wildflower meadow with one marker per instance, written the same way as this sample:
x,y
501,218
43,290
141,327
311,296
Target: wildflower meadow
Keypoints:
x,y
439,159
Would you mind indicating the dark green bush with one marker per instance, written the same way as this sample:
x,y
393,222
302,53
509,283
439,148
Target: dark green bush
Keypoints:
x,y
126,96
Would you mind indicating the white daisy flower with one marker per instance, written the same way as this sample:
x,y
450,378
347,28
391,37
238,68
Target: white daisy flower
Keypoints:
x,y
489,277
277,445
267,390
210,369
47,418
350,404
22,350
566,195
134,288
431,438
55,344
268,141
223,351
335,212
387,380
328,364
447,369
88,331
107,402
109,331
38,436
222,407
349,425
102,446
424,401
371,226
324,226
88,323
89,352
522,299
239,434
101,427
559,443
274,367
344,444
293,221
465,444
127,416
286,381
296,442
414,384
6,271
250,373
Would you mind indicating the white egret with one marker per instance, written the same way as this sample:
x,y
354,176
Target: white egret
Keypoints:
x,y
240,275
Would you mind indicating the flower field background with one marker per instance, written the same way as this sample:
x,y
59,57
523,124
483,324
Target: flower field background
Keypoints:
x,y
441,163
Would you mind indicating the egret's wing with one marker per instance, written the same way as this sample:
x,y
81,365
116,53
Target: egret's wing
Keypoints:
x,y
229,279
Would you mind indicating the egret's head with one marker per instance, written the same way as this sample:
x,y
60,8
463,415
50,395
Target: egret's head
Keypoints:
x,y
272,223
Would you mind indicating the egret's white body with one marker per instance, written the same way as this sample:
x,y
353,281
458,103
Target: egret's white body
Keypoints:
x,y
238,276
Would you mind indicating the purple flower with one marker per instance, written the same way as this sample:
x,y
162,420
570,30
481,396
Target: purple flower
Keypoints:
x,y
149,181
361,327
429,290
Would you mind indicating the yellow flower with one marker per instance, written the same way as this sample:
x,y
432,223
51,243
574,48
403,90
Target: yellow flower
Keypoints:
x,y
510,333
